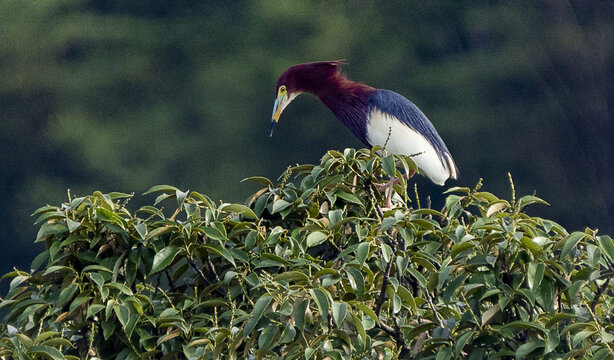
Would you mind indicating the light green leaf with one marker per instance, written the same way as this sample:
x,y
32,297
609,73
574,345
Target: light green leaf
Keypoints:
x,y
161,188
535,274
221,251
47,351
316,238
388,165
606,245
339,312
239,209
361,252
348,197
570,242
164,258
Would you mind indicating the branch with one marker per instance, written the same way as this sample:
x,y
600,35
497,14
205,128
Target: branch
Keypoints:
x,y
380,214
430,300
599,293
382,293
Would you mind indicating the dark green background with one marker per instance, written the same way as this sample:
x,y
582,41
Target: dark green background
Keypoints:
x,y
122,95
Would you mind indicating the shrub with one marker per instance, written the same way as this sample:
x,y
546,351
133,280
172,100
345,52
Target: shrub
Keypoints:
x,y
311,268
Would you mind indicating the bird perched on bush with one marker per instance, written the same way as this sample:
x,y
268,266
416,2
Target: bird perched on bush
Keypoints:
x,y
375,116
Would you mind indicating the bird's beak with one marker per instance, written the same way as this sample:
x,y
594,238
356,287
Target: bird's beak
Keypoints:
x,y
278,107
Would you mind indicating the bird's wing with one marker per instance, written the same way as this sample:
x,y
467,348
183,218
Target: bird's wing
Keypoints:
x,y
395,105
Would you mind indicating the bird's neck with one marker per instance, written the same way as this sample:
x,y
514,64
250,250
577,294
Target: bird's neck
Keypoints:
x,y
348,101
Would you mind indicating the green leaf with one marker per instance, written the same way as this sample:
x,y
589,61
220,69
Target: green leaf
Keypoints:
x,y
357,281
93,310
162,188
215,234
78,302
418,276
361,252
360,328
292,276
459,248
570,242
50,229
279,205
66,295
288,334
261,304
535,274
530,199
221,251
531,245
527,348
239,209
299,315
260,180
58,268
580,336
606,245
121,287
123,313
141,229
339,312
461,341
96,268
72,225
266,336
322,302
388,165
349,197
366,310
47,351
164,258
316,238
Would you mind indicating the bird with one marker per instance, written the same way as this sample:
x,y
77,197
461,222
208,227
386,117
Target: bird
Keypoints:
x,y
375,116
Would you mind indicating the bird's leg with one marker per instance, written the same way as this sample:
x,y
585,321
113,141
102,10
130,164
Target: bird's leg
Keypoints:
x,y
391,184
389,187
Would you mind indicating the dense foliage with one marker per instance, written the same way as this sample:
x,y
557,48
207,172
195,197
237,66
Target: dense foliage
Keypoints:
x,y
510,85
313,267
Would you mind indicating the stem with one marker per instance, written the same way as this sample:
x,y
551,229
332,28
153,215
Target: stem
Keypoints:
x,y
380,214
430,300
599,293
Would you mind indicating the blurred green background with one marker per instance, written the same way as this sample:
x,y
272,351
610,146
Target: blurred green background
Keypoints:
x,y
120,95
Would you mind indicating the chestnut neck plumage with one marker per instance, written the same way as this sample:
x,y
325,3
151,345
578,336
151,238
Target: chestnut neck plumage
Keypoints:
x,y
345,98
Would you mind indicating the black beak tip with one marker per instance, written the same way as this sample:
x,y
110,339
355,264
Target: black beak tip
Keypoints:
x,y
273,124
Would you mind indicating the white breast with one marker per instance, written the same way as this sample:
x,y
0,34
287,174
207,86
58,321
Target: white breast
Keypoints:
x,y
405,141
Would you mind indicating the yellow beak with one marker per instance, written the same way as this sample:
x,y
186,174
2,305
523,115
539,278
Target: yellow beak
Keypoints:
x,y
278,107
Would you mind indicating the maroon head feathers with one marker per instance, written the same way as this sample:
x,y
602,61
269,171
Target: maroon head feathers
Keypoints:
x,y
312,77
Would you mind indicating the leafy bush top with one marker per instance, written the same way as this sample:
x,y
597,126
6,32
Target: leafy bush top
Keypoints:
x,y
313,268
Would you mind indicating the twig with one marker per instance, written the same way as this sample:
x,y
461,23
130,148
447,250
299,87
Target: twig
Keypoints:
x,y
199,271
382,293
374,200
599,293
396,333
430,300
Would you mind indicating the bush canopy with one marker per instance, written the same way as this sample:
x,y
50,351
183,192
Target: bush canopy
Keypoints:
x,y
312,267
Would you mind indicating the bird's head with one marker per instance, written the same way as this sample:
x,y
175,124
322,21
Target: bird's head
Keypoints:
x,y
308,77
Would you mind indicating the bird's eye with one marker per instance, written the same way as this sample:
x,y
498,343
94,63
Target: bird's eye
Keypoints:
x,y
281,91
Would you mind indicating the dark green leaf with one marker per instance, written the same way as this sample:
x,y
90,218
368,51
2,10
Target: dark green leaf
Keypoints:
x,y
261,304
322,302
